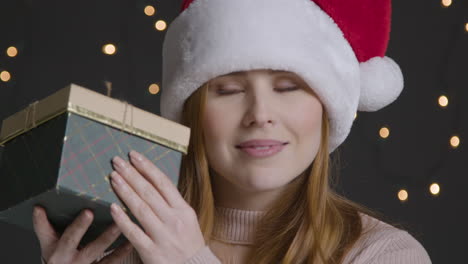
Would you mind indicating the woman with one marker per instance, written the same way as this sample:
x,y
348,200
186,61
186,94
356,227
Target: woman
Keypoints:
x,y
269,89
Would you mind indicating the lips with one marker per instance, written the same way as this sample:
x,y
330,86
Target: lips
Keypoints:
x,y
260,143
262,150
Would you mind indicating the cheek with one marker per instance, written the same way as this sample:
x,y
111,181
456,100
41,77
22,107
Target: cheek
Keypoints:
x,y
307,119
218,129
215,124
307,116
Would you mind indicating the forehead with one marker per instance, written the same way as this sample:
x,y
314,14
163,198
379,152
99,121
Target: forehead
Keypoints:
x,y
267,71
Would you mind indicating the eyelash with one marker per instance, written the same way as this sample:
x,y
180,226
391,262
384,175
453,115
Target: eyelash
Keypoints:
x,y
289,89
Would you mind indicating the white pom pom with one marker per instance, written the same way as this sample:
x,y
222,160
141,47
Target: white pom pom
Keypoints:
x,y
381,83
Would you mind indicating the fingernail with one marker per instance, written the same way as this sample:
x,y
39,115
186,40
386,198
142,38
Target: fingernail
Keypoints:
x,y
119,162
115,209
116,178
136,156
36,211
86,214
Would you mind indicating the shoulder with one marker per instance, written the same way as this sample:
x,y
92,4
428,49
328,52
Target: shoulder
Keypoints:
x,y
384,243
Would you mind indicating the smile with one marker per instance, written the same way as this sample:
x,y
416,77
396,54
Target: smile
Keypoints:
x,y
263,151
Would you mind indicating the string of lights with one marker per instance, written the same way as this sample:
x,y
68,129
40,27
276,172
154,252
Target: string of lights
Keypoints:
x,y
160,25
453,142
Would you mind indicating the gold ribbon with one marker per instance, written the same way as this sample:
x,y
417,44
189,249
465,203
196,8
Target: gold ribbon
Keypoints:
x,y
124,124
30,119
30,122
123,127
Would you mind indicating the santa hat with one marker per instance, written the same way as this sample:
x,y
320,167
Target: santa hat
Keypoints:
x,y
336,46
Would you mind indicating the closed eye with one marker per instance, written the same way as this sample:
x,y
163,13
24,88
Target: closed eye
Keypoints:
x,y
288,89
223,92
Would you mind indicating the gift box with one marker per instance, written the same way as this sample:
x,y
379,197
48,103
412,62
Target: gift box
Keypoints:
x,y
57,153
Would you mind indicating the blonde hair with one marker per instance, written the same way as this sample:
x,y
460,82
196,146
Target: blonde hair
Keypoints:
x,y
309,224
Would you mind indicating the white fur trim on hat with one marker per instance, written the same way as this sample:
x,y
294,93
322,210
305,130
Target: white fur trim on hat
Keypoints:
x,y
214,37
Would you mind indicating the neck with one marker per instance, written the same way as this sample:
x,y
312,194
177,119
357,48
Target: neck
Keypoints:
x,y
229,195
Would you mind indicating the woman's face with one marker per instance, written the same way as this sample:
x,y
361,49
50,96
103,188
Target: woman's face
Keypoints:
x,y
263,105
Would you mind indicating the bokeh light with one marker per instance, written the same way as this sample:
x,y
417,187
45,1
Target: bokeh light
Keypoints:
x,y
5,76
403,195
153,88
454,141
443,101
384,132
150,10
109,49
434,189
12,51
160,25
446,3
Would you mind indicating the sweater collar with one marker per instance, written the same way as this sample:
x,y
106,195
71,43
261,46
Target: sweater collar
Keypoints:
x,y
236,226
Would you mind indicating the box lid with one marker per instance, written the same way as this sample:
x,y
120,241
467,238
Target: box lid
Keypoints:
x,y
101,108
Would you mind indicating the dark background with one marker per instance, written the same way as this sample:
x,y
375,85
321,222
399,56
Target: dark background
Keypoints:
x,y
60,42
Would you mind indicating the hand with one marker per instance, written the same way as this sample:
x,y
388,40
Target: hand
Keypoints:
x,y
171,230
63,249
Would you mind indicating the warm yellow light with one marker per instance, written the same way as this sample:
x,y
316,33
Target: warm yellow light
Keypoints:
x,y
355,115
384,132
466,27
12,51
160,25
446,3
455,141
403,195
149,10
153,88
5,76
434,189
109,49
443,101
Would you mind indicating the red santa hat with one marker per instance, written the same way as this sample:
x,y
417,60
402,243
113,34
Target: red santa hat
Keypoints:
x,y
337,46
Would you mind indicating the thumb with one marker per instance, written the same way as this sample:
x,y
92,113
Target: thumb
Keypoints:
x,y
46,234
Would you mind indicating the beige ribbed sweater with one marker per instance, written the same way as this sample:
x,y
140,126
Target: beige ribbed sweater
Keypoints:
x,y
234,232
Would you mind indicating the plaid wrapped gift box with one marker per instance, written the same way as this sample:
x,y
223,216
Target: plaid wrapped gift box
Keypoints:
x,y
57,153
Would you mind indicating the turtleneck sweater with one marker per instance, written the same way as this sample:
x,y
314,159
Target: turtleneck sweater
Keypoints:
x,y
234,231
233,234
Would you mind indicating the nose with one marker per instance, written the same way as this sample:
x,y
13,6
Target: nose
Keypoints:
x,y
258,112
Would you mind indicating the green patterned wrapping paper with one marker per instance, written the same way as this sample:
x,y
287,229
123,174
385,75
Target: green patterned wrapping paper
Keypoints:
x,y
64,166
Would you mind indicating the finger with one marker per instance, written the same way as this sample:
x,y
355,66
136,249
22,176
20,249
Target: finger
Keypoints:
x,y
118,255
70,239
140,209
131,231
144,189
160,180
96,248
45,232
